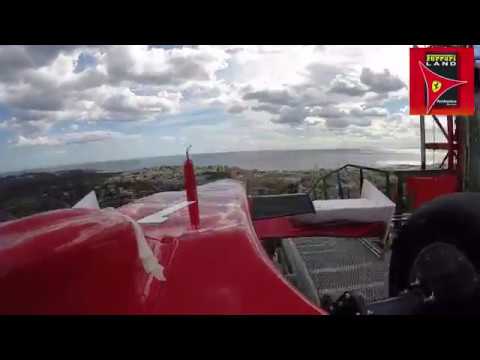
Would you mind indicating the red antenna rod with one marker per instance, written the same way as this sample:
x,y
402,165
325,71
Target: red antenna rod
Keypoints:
x,y
191,189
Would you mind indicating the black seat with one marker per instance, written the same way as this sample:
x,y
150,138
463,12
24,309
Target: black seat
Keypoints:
x,y
273,206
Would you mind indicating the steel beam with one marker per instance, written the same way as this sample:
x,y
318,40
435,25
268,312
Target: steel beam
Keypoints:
x,y
450,142
440,126
422,142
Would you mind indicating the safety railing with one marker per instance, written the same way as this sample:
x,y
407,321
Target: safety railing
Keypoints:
x,y
324,180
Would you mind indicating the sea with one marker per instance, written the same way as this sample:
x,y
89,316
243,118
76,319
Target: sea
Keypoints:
x,y
292,160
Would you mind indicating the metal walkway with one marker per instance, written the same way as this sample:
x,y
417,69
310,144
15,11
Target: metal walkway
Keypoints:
x,y
336,265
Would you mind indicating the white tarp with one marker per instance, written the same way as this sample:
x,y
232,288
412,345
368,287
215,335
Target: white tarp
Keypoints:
x,y
89,201
147,257
373,206
162,215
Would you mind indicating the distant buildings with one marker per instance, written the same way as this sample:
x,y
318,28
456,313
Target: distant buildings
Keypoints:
x,y
24,195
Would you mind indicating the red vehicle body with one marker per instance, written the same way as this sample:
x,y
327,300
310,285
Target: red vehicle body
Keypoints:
x,y
200,252
89,261
84,261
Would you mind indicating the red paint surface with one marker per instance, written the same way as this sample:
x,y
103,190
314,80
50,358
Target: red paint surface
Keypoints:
x,y
69,261
78,261
287,227
422,189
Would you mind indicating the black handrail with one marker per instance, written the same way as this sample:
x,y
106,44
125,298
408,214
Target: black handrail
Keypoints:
x,y
337,171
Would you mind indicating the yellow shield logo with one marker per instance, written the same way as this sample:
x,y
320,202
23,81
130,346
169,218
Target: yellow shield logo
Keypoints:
x,y
436,86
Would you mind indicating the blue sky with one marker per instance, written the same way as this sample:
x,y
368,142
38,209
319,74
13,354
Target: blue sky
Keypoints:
x,y
71,104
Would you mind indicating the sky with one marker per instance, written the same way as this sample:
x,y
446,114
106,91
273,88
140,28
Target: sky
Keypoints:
x,y
65,104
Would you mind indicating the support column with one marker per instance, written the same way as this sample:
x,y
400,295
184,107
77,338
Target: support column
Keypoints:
x,y
422,142
451,154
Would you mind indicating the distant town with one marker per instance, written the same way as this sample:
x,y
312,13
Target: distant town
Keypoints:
x,y
30,193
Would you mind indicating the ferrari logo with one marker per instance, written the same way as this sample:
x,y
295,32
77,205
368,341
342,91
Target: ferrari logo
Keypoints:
x,y
436,86
442,80
439,85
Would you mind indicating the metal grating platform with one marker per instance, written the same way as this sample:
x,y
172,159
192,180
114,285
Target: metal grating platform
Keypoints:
x,y
339,264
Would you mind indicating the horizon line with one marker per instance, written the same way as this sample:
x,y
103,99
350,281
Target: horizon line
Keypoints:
x,y
194,154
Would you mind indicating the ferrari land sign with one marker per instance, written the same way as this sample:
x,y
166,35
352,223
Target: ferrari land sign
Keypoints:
x,y
441,81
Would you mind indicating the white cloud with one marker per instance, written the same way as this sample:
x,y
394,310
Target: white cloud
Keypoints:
x,y
138,83
133,83
143,64
40,140
72,138
348,86
237,108
271,96
382,82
